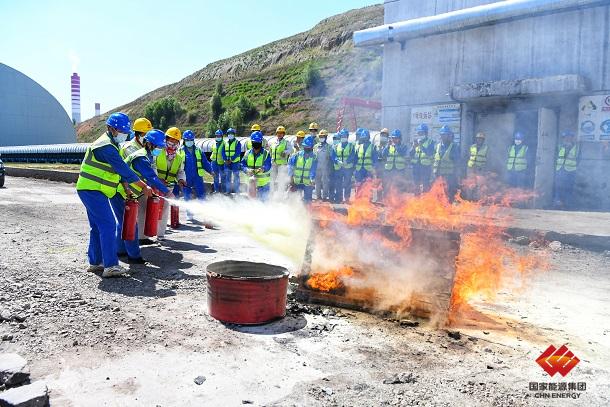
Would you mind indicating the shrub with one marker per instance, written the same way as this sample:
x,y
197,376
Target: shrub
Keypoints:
x,y
210,128
311,76
191,117
216,106
163,112
247,107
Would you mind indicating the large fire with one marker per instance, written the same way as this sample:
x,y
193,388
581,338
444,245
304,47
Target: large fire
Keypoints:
x,y
483,265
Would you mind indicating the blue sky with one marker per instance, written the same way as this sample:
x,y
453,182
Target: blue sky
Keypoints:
x,y
123,49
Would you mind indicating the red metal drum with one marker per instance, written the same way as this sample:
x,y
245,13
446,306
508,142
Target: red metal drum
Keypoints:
x,y
242,292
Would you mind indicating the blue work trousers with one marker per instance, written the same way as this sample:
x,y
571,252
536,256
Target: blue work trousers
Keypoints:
x,y
231,180
307,192
219,171
103,227
131,247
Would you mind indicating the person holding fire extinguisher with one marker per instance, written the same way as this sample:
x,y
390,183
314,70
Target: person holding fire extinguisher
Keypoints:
x,y
195,165
257,165
139,155
170,169
99,180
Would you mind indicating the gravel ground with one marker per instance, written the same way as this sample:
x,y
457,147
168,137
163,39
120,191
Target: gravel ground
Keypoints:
x,y
147,340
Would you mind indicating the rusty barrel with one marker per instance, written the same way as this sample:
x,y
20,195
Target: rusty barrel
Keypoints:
x,y
242,292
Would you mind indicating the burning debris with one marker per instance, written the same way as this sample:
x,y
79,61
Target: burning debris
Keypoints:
x,y
416,255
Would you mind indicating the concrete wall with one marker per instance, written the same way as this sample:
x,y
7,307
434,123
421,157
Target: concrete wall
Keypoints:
x,y
425,70
29,114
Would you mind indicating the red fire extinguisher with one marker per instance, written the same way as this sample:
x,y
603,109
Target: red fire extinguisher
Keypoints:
x,y
130,219
252,184
162,204
153,209
174,216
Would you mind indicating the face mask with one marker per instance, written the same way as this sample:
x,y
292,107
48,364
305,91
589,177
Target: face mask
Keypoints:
x,y
231,136
156,151
218,139
308,150
121,137
344,140
518,142
322,140
189,143
257,145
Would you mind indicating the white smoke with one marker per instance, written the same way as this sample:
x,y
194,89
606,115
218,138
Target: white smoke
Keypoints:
x,y
74,60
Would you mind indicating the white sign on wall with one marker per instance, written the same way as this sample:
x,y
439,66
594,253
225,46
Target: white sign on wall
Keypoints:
x,y
594,118
436,116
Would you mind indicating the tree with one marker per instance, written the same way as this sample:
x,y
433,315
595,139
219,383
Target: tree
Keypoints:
x,y
247,107
216,106
311,76
219,89
237,119
163,112
224,121
210,128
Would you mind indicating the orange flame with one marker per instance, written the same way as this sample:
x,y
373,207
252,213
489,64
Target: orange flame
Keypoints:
x,y
329,280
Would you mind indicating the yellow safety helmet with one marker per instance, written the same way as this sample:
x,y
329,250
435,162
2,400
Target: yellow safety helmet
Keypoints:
x,y
142,125
385,131
255,127
300,133
480,135
313,126
174,132
323,133
280,129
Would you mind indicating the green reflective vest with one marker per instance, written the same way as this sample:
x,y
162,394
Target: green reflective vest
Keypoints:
x,y
96,175
443,165
169,174
343,153
302,169
421,157
130,151
395,160
262,178
567,162
517,161
198,156
230,147
364,158
216,156
277,151
478,156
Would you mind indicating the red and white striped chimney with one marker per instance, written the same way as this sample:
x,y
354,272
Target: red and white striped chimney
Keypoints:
x,y
75,82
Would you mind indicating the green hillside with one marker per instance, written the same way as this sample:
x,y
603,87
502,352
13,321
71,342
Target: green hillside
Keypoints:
x,y
290,82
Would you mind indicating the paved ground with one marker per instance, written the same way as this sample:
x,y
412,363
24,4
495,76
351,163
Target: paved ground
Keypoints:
x,y
142,341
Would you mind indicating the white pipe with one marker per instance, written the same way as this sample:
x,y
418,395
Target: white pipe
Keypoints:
x,y
467,18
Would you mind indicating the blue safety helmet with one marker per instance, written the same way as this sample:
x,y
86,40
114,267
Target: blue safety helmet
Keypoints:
x,y
445,130
337,135
231,130
422,128
308,142
358,131
155,137
119,121
567,133
188,135
364,134
344,132
219,133
396,133
519,136
256,137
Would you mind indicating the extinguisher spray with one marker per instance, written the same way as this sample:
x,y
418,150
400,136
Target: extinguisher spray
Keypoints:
x,y
130,219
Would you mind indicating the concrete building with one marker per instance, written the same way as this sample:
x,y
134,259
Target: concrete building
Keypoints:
x,y
29,114
535,66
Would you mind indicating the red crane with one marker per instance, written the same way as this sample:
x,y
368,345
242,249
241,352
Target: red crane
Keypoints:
x,y
352,103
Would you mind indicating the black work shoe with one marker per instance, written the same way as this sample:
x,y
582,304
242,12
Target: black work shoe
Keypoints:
x,y
122,255
136,260
146,242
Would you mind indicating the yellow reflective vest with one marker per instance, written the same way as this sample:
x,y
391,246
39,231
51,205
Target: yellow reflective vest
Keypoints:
x,y
169,174
478,156
444,165
277,152
130,151
568,162
517,161
302,169
421,157
364,159
262,178
96,175
216,156
394,160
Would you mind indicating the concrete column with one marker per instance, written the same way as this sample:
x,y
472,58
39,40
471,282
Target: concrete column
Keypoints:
x,y
545,158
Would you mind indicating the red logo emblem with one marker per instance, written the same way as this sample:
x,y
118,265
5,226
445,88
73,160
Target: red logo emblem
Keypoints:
x,y
555,360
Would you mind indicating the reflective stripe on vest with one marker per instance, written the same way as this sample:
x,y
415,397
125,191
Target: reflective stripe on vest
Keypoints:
x,y
96,175
443,165
569,162
394,160
478,156
130,151
216,156
302,169
262,178
517,161
276,152
169,174
343,153
200,170
365,158
230,148
421,157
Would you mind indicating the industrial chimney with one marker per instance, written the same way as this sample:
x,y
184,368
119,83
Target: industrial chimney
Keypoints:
x,y
97,109
75,82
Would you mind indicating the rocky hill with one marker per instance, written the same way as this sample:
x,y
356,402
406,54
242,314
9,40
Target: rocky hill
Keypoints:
x,y
273,76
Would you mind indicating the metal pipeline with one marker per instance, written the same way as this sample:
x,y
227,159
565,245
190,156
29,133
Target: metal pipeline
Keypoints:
x,y
467,18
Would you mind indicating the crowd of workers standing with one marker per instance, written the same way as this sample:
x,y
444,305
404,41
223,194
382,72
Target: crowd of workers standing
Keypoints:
x,y
136,162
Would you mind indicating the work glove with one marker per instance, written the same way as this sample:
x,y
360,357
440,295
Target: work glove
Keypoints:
x,y
182,183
